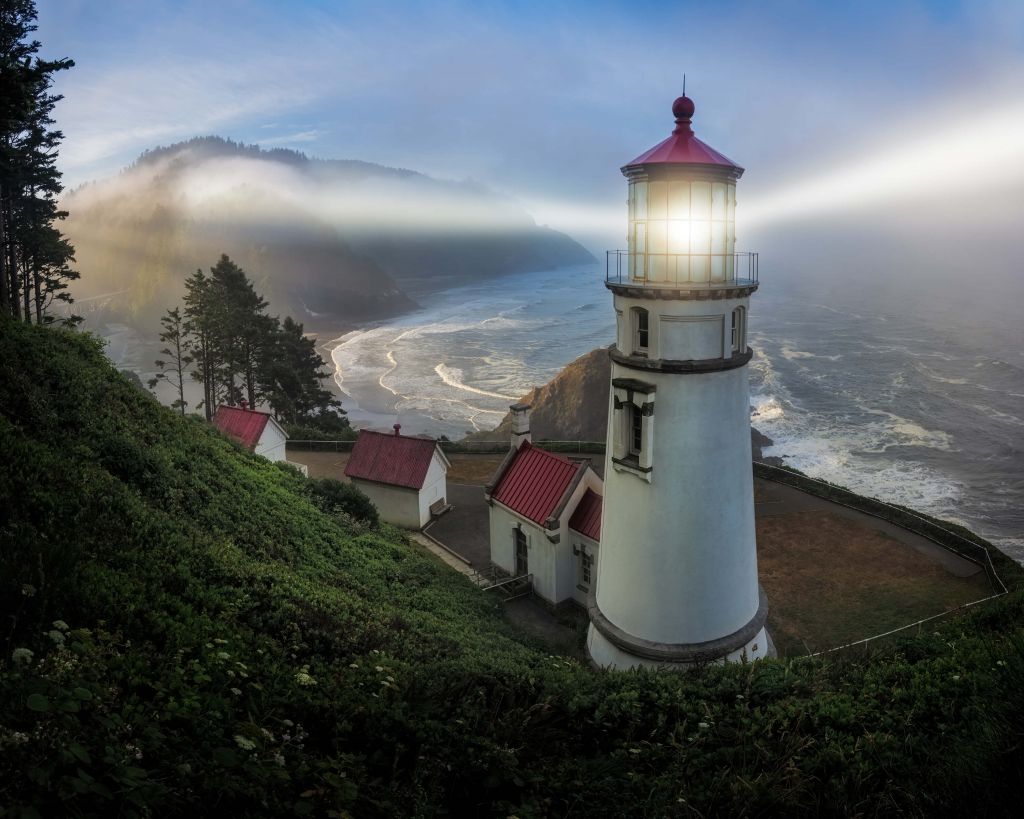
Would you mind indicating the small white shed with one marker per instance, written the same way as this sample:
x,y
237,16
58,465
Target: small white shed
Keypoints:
x,y
256,431
404,476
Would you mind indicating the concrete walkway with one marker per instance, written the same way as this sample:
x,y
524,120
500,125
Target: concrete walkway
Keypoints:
x,y
465,529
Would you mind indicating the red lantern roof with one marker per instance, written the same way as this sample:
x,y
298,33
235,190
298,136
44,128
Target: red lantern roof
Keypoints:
x,y
399,460
244,425
683,148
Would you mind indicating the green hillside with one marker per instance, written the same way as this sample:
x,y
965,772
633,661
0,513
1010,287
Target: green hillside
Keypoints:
x,y
210,637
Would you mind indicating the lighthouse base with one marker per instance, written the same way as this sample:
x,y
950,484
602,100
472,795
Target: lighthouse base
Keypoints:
x,y
605,654
611,647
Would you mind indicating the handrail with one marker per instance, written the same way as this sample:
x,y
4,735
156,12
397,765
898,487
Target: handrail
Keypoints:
x,y
634,268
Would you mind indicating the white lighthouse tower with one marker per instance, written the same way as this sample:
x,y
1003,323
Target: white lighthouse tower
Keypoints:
x,y
677,576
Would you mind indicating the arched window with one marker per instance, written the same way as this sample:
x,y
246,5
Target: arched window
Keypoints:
x,y
738,329
641,331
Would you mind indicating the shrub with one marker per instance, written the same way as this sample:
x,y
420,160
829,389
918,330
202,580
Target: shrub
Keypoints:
x,y
343,496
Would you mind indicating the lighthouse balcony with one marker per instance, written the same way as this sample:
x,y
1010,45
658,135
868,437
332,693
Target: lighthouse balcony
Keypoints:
x,y
681,271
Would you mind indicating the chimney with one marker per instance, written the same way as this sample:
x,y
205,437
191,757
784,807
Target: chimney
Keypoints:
x,y
398,429
520,424
243,404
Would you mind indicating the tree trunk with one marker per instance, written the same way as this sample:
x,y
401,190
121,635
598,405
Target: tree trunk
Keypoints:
x,y
5,294
181,374
12,262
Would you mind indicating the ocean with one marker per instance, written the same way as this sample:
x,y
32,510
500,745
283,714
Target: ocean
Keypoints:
x,y
917,401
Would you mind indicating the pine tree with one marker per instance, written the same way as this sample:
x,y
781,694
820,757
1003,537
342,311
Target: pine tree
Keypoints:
x,y
179,357
244,329
201,328
293,374
34,257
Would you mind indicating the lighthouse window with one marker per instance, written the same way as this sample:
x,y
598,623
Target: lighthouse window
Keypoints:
x,y
737,329
641,334
636,423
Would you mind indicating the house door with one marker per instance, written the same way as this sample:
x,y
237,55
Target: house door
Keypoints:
x,y
520,538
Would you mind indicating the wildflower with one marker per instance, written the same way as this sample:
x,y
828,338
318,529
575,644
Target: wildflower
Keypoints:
x,y
379,668
244,743
956,677
236,691
391,679
22,656
220,642
56,636
28,590
703,725
303,677
287,722
279,759
267,734
223,655
353,665
61,625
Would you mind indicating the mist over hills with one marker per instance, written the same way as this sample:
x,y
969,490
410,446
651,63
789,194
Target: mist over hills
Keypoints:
x,y
323,240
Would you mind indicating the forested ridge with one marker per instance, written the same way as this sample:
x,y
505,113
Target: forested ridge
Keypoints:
x,y
189,628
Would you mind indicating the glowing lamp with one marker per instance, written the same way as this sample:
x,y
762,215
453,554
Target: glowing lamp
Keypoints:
x,y
682,214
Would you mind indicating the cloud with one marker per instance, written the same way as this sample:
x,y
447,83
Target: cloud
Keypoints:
x,y
300,136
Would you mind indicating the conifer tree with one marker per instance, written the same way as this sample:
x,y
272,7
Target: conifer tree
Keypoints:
x,y
243,329
179,357
34,257
201,328
293,374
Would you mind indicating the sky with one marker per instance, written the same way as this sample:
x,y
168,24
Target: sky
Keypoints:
x,y
893,125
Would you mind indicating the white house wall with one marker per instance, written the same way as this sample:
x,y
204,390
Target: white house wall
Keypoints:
x,y
538,549
565,562
434,487
580,592
395,504
271,444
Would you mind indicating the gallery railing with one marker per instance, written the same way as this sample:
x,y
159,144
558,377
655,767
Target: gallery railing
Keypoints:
x,y
689,270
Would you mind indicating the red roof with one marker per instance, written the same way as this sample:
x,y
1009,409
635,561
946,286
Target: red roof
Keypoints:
x,y
399,460
244,425
587,518
683,148
534,482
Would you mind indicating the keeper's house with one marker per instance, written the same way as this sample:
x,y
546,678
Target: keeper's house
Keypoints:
x,y
256,431
545,522
404,476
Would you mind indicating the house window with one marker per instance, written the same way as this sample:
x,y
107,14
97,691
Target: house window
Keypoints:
x,y
641,331
636,430
586,562
521,559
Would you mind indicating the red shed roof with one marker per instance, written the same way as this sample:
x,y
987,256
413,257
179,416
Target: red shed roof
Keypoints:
x,y
587,518
683,148
534,482
244,425
399,460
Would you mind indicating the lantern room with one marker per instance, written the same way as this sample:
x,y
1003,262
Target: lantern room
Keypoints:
x,y
682,215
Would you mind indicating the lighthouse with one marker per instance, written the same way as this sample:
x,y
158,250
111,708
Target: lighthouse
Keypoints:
x,y
677,577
